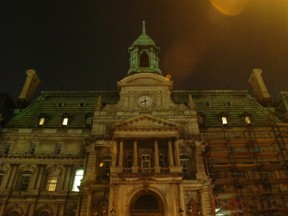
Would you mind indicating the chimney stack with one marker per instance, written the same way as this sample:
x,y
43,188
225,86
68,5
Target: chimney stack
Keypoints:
x,y
259,88
29,88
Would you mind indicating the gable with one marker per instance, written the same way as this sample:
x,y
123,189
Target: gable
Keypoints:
x,y
146,126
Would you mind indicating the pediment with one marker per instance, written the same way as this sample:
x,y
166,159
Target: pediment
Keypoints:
x,y
145,79
146,125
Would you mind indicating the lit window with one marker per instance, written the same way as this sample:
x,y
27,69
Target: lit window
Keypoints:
x,y
65,121
24,180
51,183
41,121
247,119
77,179
224,120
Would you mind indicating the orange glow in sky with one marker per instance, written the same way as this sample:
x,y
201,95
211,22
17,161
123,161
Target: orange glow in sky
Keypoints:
x,y
230,7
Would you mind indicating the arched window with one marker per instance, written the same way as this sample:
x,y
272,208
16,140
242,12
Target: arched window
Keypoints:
x,y
24,180
14,212
77,179
144,60
44,213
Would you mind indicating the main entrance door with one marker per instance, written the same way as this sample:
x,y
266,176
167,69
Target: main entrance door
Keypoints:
x,y
146,203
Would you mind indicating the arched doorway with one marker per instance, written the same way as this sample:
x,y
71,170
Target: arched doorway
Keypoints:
x,y
146,203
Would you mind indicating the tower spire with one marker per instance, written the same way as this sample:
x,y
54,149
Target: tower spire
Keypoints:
x,y
143,28
144,54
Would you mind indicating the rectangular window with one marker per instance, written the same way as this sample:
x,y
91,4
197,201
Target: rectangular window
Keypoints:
x,y
24,181
58,148
65,121
224,120
6,149
32,148
41,121
51,183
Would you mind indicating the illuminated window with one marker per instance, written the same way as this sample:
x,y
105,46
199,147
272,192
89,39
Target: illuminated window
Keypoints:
x,y
42,120
65,120
77,179
224,120
24,180
247,119
51,182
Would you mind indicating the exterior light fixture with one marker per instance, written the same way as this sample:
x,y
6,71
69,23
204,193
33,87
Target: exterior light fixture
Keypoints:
x,y
101,164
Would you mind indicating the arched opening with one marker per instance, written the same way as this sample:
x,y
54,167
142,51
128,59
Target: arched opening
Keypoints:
x,y
146,203
144,60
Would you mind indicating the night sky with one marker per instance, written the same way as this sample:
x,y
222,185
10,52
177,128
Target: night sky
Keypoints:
x,y
83,45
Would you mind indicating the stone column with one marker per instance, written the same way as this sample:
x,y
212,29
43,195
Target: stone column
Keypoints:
x,y
156,157
170,152
114,154
201,174
68,172
206,206
176,153
120,164
135,157
181,198
89,204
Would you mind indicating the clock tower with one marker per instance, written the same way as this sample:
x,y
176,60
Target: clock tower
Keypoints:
x,y
149,143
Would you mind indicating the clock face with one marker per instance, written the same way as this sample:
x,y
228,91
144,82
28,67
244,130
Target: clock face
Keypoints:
x,y
145,101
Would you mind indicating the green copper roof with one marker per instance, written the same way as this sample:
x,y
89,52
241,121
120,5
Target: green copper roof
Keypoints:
x,y
80,103
143,39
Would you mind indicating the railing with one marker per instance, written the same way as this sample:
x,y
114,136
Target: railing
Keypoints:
x,y
146,170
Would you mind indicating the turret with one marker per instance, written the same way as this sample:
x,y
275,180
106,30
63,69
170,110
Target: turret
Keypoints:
x,y
144,55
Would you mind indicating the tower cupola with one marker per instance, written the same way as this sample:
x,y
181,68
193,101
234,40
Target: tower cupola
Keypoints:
x,y
144,55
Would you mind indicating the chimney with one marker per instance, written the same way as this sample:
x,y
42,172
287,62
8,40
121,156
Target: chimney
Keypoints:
x,y
29,88
259,88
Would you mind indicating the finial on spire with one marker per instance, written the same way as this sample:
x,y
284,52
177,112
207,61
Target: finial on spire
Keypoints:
x,y
143,28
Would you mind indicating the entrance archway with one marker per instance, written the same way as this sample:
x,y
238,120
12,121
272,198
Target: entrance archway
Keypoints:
x,y
146,203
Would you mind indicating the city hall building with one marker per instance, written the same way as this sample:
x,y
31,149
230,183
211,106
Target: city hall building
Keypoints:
x,y
144,150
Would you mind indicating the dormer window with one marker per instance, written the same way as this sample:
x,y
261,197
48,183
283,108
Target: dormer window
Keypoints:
x,y
42,120
224,119
201,119
65,120
247,118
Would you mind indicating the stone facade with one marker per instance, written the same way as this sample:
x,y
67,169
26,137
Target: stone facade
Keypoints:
x,y
144,150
